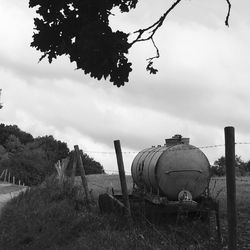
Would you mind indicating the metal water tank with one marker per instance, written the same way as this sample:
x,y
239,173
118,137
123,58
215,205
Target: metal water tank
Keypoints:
x,y
167,170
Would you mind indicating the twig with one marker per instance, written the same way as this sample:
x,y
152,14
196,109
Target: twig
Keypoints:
x,y
157,51
228,13
151,30
150,67
154,27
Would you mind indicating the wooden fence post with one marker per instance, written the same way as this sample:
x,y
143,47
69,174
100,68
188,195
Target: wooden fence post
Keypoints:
x,y
120,164
73,173
231,187
83,177
5,176
2,174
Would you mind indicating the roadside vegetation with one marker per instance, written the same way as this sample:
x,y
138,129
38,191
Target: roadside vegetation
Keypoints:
x,y
54,216
31,159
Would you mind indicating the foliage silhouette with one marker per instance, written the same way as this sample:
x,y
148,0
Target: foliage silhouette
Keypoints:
x,y
80,29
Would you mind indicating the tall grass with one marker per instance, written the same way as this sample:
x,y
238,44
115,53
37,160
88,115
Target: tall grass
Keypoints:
x,y
54,216
40,217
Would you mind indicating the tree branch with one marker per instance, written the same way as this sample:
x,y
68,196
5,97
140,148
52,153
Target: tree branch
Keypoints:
x,y
150,67
157,51
154,27
228,13
151,30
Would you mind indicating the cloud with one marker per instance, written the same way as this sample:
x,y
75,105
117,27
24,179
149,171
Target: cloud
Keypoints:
x,y
202,74
202,85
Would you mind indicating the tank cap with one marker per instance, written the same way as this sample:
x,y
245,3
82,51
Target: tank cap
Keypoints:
x,y
184,195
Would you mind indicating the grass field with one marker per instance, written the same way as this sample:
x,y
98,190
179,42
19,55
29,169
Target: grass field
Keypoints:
x,y
54,216
103,183
218,190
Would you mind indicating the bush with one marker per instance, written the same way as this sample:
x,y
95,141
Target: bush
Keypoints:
x,y
90,165
31,167
217,170
41,217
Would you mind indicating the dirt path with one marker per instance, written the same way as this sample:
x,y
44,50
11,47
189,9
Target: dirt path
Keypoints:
x,y
8,191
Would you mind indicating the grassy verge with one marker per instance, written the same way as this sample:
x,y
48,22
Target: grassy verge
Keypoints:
x,y
54,216
40,218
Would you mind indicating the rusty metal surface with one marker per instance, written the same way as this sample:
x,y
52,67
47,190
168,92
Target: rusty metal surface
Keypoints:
x,y
184,167
171,169
143,167
138,165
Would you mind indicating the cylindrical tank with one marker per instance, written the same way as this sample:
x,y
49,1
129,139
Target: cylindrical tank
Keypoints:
x,y
172,168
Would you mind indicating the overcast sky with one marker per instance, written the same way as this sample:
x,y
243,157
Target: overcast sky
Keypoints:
x,y
203,83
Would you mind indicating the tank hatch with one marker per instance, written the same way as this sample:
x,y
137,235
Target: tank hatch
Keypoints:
x,y
176,139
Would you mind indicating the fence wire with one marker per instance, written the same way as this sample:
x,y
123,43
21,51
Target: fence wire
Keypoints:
x,y
192,148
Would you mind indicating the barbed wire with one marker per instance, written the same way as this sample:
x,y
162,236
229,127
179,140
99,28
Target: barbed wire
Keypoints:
x,y
242,143
192,148
136,152
111,152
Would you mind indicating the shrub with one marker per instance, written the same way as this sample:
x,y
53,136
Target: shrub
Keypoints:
x,y
40,217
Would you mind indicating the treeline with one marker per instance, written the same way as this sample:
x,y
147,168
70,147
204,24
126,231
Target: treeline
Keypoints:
x,y
32,159
219,167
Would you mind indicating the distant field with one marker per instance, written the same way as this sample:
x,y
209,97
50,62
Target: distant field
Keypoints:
x,y
218,188
103,183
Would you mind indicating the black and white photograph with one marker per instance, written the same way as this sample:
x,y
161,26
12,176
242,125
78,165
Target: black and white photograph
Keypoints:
x,y
124,124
